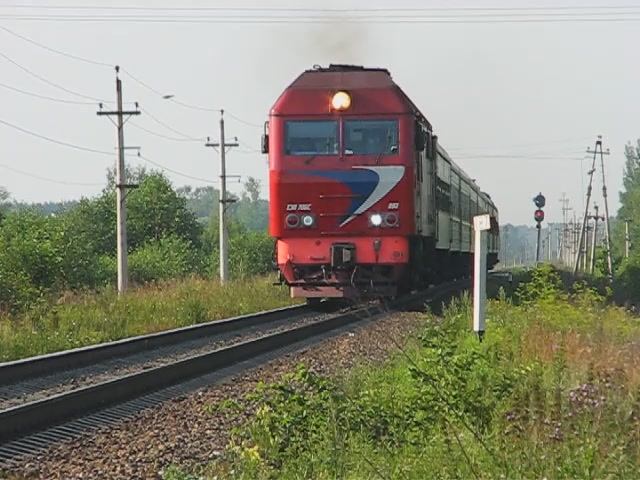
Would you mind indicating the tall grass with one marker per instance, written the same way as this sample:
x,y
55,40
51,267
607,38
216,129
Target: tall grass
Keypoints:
x,y
552,392
87,319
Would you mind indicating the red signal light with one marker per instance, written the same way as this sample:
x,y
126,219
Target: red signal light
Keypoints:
x,y
538,215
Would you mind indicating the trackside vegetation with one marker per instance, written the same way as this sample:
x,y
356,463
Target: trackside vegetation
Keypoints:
x,y
58,266
552,392
87,319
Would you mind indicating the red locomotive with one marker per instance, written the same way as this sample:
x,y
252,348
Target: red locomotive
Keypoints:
x,y
364,201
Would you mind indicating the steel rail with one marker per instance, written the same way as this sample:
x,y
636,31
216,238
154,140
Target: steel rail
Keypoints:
x,y
17,370
18,421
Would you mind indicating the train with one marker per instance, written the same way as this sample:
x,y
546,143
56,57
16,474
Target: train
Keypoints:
x,y
364,202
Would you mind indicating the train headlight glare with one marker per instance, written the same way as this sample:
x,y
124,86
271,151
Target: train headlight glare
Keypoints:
x,y
307,220
376,219
341,100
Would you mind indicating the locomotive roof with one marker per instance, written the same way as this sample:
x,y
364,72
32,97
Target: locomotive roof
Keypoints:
x,y
340,76
345,77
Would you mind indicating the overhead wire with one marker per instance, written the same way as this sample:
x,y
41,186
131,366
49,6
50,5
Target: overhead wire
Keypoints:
x,y
53,140
170,128
93,150
46,97
53,50
185,175
47,179
160,135
312,9
49,82
262,20
123,71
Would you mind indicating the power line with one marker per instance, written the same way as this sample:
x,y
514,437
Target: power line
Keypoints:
x,y
169,127
191,177
160,135
124,71
507,157
49,82
525,145
53,140
47,179
304,9
46,97
238,119
262,20
53,50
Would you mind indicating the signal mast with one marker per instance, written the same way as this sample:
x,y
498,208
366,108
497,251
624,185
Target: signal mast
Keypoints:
x,y
538,216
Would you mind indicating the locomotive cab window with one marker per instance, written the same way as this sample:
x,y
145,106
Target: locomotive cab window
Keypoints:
x,y
371,137
311,137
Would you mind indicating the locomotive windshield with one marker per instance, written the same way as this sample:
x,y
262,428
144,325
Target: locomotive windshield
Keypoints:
x,y
311,137
370,137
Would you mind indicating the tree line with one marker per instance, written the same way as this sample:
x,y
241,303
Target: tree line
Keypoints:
x,y
47,249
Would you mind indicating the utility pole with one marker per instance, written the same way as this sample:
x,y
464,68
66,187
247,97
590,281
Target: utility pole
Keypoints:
x,y
627,239
563,240
586,209
607,229
597,150
121,186
222,145
594,238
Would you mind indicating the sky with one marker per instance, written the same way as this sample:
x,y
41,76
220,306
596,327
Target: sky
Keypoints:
x,y
516,103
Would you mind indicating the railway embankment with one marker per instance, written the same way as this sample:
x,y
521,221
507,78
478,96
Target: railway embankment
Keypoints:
x,y
553,391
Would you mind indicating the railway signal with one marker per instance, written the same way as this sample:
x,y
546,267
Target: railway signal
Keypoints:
x,y
538,216
539,200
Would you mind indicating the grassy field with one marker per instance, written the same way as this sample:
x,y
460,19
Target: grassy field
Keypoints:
x,y
93,318
552,392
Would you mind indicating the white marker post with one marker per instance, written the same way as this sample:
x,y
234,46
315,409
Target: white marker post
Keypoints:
x,y
481,223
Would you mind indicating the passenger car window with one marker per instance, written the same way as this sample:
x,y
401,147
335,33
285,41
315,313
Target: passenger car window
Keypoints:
x,y
311,137
370,137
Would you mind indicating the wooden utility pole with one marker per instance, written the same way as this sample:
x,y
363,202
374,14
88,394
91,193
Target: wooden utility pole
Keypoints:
x,y
121,187
627,239
224,256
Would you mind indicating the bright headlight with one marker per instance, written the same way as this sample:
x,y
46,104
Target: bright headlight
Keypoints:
x,y
307,220
341,100
376,219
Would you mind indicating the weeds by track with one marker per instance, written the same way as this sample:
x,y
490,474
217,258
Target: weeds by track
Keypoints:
x,y
35,417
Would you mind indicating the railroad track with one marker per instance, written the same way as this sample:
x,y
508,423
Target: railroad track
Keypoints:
x,y
52,398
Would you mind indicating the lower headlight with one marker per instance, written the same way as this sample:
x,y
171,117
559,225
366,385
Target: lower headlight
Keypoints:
x,y
376,219
308,220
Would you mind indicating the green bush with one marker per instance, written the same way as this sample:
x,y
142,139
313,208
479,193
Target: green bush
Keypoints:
x,y
551,392
627,281
164,259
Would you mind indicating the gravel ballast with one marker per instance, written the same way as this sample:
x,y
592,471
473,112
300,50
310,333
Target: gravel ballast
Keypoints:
x,y
187,431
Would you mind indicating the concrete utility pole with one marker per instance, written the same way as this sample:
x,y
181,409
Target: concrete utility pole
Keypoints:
x,y
594,238
222,145
597,150
563,240
586,210
607,229
121,187
627,239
